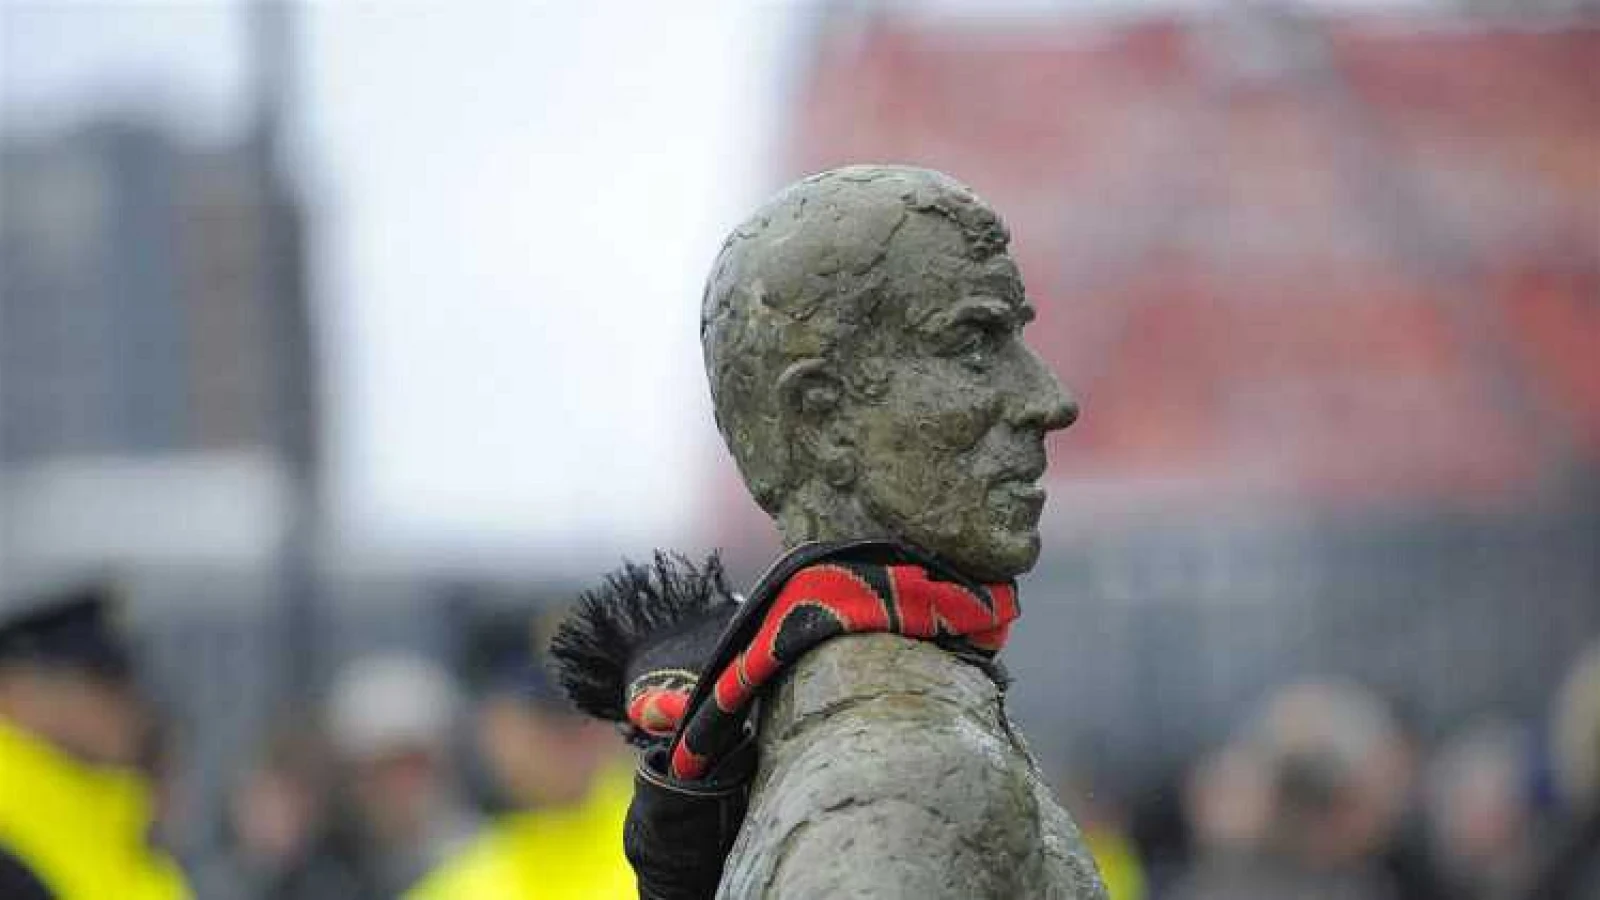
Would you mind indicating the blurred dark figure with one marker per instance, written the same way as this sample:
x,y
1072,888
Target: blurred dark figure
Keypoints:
x,y
1480,813
1162,831
1571,867
1228,799
76,803
159,760
362,815
562,777
1305,804
1105,825
1410,858
279,844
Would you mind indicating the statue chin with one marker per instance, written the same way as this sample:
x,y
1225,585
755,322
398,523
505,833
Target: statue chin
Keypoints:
x,y
997,555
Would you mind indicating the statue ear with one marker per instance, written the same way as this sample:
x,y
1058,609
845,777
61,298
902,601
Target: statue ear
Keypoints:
x,y
812,395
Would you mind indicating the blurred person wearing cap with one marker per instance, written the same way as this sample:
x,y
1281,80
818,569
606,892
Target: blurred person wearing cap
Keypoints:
x,y
390,719
75,808
276,842
565,781
1326,757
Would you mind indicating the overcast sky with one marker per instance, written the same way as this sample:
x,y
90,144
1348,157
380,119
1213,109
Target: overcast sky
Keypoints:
x,y
526,201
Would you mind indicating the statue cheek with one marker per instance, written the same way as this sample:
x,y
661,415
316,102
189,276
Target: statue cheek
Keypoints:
x,y
958,422
933,412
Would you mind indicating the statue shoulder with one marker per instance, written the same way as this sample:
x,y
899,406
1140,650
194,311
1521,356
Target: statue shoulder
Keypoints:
x,y
869,669
882,749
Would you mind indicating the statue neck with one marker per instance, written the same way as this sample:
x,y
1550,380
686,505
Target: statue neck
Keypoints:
x,y
819,512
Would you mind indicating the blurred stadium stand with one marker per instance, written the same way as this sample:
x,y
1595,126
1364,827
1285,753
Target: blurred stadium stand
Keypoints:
x,y
1328,288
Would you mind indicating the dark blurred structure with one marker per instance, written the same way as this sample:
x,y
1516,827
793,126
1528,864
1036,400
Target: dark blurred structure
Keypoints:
x,y
139,315
159,400
1329,289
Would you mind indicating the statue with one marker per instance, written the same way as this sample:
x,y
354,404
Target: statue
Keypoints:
x,y
862,335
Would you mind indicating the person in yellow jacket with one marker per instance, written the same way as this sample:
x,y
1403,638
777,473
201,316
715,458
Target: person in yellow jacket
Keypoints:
x,y
568,784
561,853
75,811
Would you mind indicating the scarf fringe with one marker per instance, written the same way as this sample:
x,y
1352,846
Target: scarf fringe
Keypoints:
x,y
616,623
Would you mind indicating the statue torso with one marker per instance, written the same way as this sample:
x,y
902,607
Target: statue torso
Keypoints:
x,y
901,777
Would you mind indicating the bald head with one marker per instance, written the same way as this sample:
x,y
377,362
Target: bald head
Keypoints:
x,y
862,337
815,274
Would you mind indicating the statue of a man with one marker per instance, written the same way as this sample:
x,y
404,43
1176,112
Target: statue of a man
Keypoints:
x,y
863,337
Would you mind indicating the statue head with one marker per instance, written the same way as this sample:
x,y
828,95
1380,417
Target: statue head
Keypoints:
x,y
863,338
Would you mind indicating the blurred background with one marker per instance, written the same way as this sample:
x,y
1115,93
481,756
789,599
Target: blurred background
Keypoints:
x,y
339,331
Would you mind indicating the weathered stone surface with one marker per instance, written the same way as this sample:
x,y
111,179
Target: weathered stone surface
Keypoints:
x,y
889,770
863,338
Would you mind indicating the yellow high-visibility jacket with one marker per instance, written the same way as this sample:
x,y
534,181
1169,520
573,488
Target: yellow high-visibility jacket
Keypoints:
x,y
1118,862
551,854
80,830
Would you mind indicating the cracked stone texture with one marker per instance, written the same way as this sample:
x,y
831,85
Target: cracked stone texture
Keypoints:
x,y
890,770
863,338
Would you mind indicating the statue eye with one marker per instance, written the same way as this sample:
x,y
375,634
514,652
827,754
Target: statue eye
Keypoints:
x,y
974,332
975,343
967,339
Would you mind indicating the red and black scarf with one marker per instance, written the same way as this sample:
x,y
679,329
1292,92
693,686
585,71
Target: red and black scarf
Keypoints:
x,y
668,653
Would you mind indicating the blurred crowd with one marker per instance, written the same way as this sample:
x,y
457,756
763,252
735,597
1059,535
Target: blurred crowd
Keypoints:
x,y
415,780
375,801
1325,791
412,780
409,780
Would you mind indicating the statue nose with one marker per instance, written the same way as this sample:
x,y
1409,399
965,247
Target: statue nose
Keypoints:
x,y
1056,411
1047,405
1065,412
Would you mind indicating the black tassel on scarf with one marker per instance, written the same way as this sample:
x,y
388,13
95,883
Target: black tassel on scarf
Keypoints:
x,y
645,627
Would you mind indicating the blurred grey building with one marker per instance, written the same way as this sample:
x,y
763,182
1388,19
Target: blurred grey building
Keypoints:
x,y
138,315
154,344
157,412
1329,302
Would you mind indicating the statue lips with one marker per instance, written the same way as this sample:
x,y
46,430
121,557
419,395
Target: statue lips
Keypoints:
x,y
1018,496
1020,503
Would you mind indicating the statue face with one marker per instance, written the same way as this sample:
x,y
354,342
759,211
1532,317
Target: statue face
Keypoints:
x,y
863,338
950,455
